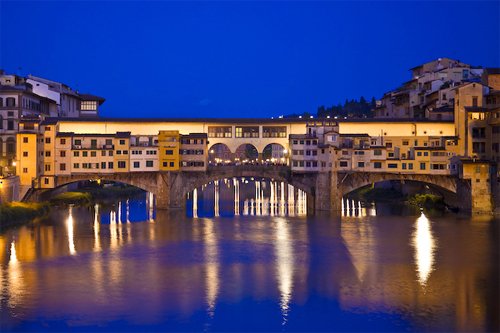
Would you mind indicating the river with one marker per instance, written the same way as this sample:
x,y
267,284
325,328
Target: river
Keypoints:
x,y
128,267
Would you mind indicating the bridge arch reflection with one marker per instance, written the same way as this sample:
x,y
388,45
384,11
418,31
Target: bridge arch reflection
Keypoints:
x,y
246,196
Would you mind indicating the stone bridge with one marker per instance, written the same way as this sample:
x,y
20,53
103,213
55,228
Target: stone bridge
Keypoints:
x,y
324,189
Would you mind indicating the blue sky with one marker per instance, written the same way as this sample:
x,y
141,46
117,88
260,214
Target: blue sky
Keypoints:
x,y
235,58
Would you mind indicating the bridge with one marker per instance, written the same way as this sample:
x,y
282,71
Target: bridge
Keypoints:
x,y
324,189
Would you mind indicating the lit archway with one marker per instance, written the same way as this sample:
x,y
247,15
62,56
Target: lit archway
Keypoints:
x,y
219,153
246,153
274,153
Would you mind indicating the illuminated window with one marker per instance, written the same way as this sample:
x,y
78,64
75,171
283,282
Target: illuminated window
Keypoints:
x,y
88,105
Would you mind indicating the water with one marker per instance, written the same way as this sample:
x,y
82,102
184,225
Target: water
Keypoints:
x,y
128,268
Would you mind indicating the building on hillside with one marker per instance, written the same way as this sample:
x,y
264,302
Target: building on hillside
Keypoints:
x,y
29,97
430,92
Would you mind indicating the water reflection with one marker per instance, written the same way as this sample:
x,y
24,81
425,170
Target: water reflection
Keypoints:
x,y
212,266
351,208
247,197
284,266
69,226
260,273
424,245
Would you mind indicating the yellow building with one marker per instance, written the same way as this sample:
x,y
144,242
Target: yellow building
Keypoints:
x,y
121,157
168,146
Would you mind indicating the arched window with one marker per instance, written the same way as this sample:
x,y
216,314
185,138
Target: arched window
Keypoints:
x,y
1,122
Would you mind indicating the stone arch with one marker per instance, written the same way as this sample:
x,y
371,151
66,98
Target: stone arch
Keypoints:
x,y
219,153
274,152
446,186
147,181
246,153
186,183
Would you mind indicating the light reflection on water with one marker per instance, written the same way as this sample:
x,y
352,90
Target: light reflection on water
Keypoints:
x,y
247,197
272,273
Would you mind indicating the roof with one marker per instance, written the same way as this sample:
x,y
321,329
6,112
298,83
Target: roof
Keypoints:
x,y
122,134
443,109
493,70
476,109
89,97
195,135
354,135
111,135
430,148
64,134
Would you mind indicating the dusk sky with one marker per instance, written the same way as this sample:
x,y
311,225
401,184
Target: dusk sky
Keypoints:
x,y
239,59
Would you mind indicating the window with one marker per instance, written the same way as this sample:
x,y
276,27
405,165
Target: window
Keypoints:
x,y
403,166
361,164
474,100
47,167
165,164
219,131
125,152
392,165
88,105
388,144
10,101
103,153
479,132
47,153
78,142
93,154
479,147
110,165
93,143
122,164
137,164
25,140
436,166
10,125
47,140
247,132
405,142
343,164
377,152
76,165
62,166
422,166
103,165
122,142
76,154
169,152
419,153
149,164
426,153
172,164
62,141
85,153
274,132
47,128
25,170
410,166
46,181
377,165
25,154
118,152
